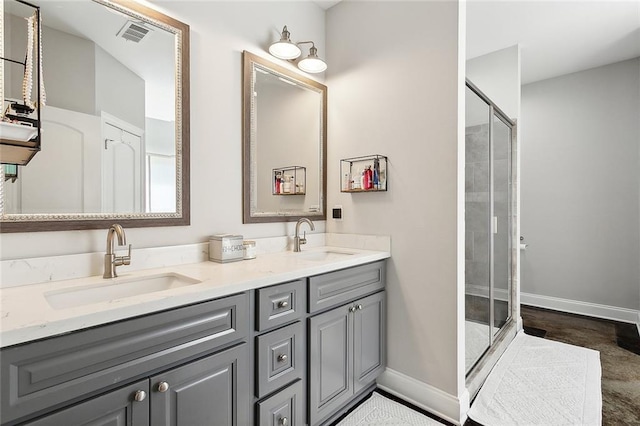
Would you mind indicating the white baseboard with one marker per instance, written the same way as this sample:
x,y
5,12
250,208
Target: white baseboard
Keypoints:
x,y
582,308
483,291
427,397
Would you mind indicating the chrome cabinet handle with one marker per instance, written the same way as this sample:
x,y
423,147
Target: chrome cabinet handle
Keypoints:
x,y
139,396
284,421
359,307
283,304
163,387
352,308
282,357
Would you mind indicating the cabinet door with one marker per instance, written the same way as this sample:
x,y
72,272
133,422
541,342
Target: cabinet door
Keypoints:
x,y
369,340
330,362
211,391
117,408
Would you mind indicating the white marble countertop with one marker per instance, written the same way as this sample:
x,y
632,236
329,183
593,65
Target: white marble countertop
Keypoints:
x,y
26,315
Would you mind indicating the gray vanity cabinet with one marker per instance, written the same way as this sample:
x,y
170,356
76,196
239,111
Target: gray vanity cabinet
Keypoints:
x,y
116,408
199,350
210,391
346,353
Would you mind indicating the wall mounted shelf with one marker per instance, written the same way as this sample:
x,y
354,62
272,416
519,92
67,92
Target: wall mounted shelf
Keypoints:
x,y
20,131
364,174
289,180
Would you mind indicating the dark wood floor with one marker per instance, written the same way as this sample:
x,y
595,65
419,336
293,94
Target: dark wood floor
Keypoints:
x,y
619,347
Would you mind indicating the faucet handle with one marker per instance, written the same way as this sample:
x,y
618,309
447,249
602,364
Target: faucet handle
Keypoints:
x,y
123,260
303,240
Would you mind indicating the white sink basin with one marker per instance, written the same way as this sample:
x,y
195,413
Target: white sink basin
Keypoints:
x,y
116,288
321,255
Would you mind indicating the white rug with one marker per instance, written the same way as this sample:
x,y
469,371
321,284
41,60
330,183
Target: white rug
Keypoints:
x,y
541,382
378,410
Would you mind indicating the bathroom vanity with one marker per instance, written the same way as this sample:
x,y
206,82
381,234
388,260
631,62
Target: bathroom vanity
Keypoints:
x,y
293,346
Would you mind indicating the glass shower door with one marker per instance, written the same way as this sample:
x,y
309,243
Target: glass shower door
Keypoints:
x,y
501,180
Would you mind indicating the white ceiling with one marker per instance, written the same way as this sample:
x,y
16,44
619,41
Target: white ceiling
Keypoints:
x,y
556,37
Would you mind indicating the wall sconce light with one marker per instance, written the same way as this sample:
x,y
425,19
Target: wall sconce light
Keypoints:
x,y
286,49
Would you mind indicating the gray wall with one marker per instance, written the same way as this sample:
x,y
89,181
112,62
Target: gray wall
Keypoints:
x,y
119,91
580,186
69,71
401,100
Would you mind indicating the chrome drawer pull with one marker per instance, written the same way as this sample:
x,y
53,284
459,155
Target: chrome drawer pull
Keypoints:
x,y
284,421
282,357
163,387
283,304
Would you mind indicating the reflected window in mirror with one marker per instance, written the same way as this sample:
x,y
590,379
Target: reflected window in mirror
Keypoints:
x,y
115,140
284,135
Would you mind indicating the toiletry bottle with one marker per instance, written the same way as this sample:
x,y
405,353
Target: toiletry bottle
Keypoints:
x,y
286,186
362,179
277,183
376,174
346,182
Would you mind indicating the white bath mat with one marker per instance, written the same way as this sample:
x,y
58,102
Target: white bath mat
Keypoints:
x,y
378,410
541,382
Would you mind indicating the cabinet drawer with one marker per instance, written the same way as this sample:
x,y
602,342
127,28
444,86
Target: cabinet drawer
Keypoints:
x,y
284,408
280,358
54,371
280,304
336,288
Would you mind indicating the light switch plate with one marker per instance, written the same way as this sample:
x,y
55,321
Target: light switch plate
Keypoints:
x,y
336,213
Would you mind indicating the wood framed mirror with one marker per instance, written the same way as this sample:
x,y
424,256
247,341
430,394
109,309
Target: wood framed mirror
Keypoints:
x,y
115,129
285,144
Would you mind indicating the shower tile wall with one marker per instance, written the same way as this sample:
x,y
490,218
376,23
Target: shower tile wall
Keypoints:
x,y
477,218
477,209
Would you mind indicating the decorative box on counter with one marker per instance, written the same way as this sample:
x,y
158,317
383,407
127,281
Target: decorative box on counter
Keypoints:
x,y
225,248
290,180
364,174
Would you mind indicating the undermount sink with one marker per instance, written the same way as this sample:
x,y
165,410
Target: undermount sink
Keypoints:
x,y
116,288
320,255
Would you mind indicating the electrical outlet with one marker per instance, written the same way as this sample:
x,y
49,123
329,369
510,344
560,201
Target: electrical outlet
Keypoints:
x,y
337,213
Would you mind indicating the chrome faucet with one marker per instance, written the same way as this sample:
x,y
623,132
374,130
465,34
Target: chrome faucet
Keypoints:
x,y
110,258
297,241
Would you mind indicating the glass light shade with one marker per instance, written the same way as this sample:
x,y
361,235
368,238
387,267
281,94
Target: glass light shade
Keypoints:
x,y
312,64
284,49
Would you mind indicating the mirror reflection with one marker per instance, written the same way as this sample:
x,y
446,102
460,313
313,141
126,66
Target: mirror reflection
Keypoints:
x,y
285,132
109,129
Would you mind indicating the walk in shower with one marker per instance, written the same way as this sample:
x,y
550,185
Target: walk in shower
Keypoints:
x,y
489,224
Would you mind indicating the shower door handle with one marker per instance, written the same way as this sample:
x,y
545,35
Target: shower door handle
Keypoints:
x,y
495,224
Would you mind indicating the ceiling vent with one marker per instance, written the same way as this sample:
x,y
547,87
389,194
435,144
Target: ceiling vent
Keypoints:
x,y
133,31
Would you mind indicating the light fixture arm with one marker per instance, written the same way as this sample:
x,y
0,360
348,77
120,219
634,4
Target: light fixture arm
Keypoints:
x,y
313,51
